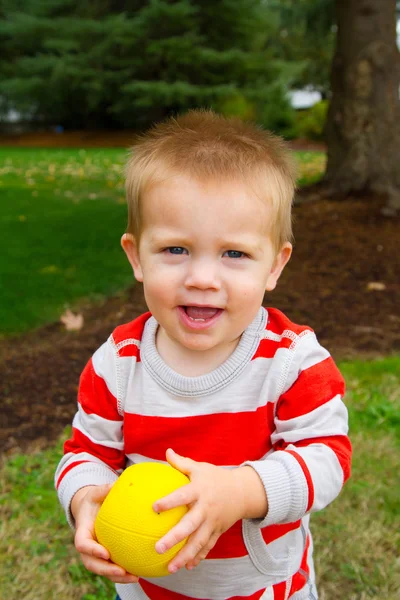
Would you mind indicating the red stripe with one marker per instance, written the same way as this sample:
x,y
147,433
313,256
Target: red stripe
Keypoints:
x,y
279,590
267,348
132,330
115,459
278,322
341,446
155,592
236,437
299,580
313,388
65,471
95,397
230,544
307,475
130,350
274,532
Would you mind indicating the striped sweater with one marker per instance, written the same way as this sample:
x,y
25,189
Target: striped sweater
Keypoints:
x,y
275,404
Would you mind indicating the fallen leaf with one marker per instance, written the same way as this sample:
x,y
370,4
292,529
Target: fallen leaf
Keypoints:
x,y
376,286
71,321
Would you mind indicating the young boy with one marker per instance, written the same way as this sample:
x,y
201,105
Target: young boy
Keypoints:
x,y
236,396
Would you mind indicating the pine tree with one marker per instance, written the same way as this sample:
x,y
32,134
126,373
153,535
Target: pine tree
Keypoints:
x,y
99,63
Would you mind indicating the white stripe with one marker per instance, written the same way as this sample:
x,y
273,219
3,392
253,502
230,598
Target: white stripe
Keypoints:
x,y
71,458
268,594
263,381
316,354
104,365
325,420
328,481
99,430
130,592
255,389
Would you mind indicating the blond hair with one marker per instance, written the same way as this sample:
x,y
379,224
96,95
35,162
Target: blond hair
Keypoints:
x,y
207,146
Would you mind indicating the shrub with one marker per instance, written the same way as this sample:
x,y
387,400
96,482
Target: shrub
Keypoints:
x,y
310,123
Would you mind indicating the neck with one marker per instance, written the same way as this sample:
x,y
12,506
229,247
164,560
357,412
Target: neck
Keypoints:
x,y
191,363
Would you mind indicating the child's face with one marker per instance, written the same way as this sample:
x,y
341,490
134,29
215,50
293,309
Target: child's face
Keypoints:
x,y
205,258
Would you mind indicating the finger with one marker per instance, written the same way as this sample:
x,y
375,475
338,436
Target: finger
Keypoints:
x,y
183,496
86,545
191,564
110,570
186,526
99,492
183,464
196,546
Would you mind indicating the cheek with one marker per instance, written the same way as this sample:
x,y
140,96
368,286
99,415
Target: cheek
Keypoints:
x,y
158,290
249,285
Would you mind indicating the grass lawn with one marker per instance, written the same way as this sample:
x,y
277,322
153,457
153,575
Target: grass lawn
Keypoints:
x,y
357,538
63,213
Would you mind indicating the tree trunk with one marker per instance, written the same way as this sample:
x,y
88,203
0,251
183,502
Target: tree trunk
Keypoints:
x,y
363,125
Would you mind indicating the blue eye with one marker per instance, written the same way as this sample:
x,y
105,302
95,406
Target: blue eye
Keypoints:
x,y
176,250
234,254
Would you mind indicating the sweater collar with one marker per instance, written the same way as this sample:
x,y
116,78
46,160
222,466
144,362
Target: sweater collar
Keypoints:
x,y
210,382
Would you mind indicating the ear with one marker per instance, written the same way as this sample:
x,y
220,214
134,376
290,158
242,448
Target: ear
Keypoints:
x,y
130,247
281,259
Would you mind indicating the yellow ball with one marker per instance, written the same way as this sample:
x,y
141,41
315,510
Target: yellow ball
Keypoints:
x,y
127,525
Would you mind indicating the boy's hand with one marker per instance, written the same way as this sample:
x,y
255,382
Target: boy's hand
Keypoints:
x,y
216,498
84,507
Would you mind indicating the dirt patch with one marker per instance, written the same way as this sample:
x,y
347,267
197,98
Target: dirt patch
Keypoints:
x,y
69,139
343,280
102,139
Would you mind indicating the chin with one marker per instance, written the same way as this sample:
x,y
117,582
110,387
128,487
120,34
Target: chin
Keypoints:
x,y
197,345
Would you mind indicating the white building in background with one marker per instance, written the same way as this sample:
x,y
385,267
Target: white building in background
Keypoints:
x,y
301,99
12,116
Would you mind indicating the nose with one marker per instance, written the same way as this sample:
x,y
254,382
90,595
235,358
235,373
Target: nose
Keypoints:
x,y
203,274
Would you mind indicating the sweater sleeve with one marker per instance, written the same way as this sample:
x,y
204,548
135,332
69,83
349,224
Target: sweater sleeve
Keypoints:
x,y
94,455
311,455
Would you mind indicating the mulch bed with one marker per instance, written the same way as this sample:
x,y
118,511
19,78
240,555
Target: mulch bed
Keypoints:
x,y
341,249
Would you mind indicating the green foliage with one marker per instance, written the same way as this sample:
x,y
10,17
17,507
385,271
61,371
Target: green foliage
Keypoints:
x,y
311,165
236,105
307,35
113,64
310,123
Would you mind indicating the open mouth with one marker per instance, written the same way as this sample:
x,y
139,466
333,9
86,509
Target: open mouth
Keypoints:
x,y
199,317
201,313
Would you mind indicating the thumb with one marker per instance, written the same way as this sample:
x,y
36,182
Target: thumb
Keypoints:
x,y
100,492
183,464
